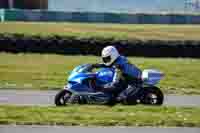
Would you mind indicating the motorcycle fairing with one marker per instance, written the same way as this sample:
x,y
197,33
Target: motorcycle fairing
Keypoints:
x,y
77,87
79,77
104,76
151,76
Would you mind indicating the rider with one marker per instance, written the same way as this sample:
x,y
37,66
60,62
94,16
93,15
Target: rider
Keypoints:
x,y
126,84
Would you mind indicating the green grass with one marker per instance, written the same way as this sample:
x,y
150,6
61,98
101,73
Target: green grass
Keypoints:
x,y
117,31
43,71
101,116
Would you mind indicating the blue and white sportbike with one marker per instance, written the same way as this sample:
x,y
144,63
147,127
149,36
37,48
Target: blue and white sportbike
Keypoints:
x,y
82,87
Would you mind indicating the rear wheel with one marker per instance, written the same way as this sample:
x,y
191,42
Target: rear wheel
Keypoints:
x,y
62,97
152,96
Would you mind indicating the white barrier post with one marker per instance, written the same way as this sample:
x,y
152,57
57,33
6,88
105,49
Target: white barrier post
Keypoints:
x,y
2,17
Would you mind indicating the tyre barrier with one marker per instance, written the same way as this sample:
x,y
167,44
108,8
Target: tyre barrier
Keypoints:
x,y
72,45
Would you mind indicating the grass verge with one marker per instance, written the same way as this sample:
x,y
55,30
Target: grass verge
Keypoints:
x,y
117,31
101,116
46,71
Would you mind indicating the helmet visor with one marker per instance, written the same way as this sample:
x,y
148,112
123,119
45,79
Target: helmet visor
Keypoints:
x,y
106,59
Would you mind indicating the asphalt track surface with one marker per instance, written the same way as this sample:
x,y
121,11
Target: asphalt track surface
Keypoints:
x,y
46,98
60,129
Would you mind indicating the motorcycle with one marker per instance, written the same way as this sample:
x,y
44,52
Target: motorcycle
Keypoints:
x,y
82,83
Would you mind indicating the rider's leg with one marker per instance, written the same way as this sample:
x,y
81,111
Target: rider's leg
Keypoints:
x,y
131,94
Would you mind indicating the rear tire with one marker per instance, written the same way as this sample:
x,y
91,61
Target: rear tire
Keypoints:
x,y
152,96
62,97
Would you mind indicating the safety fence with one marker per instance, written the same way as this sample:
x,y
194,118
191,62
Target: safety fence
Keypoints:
x,y
45,15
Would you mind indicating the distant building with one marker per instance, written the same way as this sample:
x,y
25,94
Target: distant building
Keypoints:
x,y
24,4
192,5
112,11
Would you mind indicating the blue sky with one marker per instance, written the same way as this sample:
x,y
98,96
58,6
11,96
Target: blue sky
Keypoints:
x,y
117,5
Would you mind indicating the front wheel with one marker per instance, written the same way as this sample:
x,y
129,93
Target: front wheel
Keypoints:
x,y
62,97
152,96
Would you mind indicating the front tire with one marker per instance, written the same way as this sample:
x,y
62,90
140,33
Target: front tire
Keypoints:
x,y
62,97
153,96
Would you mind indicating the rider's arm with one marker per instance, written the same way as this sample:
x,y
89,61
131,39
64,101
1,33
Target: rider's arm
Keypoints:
x,y
114,85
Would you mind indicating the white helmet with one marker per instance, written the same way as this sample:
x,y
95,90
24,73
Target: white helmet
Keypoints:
x,y
109,55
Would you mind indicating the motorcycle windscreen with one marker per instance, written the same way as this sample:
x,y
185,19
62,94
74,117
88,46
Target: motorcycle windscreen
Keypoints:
x,y
151,76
